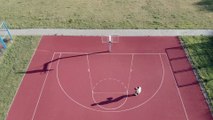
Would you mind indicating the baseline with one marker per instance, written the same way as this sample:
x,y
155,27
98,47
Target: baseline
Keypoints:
x,y
116,53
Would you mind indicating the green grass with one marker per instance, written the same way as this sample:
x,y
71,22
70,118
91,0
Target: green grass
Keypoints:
x,y
107,13
15,58
201,52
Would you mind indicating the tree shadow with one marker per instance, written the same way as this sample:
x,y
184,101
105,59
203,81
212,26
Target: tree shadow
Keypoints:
x,y
45,66
206,4
111,100
202,57
202,54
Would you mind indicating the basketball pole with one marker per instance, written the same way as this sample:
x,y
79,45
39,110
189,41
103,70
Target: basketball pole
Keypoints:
x,y
110,43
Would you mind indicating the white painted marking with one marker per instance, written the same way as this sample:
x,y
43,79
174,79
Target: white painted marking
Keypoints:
x,y
179,94
86,53
114,111
96,92
35,110
90,76
130,71
114,108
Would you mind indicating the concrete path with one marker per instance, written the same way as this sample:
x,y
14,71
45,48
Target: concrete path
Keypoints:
x,y
120,32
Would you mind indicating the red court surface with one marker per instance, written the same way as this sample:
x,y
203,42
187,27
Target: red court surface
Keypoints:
x,y
77,78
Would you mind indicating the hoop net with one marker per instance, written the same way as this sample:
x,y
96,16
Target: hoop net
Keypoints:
x,y
110,38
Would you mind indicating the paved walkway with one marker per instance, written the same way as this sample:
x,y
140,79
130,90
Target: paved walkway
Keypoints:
x,y
120,32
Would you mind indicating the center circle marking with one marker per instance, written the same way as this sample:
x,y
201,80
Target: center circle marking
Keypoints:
x,y
103,84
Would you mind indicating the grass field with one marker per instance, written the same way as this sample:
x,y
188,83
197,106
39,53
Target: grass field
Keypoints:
x,y
107,13
201,52
15,59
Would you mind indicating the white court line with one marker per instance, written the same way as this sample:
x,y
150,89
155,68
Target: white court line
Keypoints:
x,y
87,53
42,89
179,94
107,79
109,92
89,71
71,52
127,88
92,88
149,99
67,95
126,93
114,111
130,73
23,78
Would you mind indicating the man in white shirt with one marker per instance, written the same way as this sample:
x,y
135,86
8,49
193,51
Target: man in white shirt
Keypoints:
x,y
137,90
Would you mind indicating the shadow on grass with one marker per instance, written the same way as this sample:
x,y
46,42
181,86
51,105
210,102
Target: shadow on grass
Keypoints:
x,y
202,54
202,57
206,4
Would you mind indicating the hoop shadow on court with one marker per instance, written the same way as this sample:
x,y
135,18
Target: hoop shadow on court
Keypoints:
x,y
45,66
112,100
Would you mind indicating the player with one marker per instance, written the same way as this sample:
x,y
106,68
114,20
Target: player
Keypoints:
x,y
137,90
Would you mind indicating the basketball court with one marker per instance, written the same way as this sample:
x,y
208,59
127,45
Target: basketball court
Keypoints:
x,y
88,78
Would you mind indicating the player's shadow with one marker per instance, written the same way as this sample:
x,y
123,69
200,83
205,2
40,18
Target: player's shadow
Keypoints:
x,y
111,100
45,67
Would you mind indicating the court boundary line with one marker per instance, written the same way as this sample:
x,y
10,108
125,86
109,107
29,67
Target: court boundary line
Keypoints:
x,y
130,72
87,53
178,91
125,110
17,90
41,91
89,70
